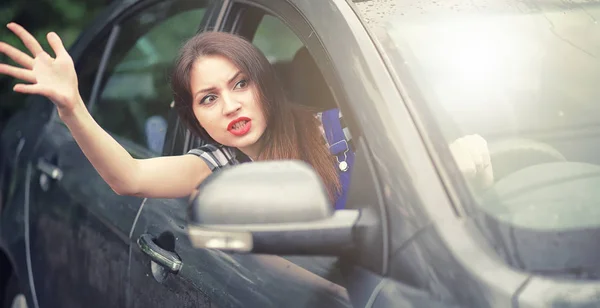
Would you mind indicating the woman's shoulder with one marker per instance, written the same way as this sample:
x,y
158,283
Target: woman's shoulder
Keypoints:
x,y
216,156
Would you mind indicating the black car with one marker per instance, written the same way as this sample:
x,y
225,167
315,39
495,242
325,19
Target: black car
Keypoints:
x,y
409,77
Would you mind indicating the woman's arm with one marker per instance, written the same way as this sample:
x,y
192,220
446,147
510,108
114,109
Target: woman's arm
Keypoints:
x,y
55,78
161,177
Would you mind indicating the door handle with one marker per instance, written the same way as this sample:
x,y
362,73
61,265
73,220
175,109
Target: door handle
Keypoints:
x,y
165,258
49,169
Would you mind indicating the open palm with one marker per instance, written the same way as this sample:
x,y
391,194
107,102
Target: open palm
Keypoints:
x,y
54,78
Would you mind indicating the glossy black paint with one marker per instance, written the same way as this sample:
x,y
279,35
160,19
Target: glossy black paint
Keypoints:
x,y
16,145
79,229
422,251
228,280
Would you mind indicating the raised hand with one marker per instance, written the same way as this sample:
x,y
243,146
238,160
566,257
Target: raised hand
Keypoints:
x,y
472,156
54,78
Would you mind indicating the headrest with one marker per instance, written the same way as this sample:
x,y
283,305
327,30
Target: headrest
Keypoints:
x,y
308,87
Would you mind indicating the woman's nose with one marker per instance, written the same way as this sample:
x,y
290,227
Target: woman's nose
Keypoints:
x,y
231,104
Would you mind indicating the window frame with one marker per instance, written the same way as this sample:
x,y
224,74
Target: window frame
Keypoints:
x,y
111,64
236,20
106,33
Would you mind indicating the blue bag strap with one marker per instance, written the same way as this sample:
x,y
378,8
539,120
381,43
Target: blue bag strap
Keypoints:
x,y
339,147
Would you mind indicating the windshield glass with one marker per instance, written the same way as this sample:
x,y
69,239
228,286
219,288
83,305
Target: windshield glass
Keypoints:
x,y
525,76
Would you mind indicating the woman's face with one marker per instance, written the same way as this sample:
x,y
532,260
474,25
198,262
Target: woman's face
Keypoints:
x,y
226,104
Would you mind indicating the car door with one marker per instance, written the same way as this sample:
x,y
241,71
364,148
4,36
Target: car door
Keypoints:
x,y
79,227
169,271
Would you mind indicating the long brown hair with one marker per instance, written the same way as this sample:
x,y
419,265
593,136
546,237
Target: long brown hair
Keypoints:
x,y
292,131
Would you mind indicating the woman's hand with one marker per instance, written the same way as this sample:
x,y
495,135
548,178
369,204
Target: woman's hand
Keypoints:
x,y
472,155
54,78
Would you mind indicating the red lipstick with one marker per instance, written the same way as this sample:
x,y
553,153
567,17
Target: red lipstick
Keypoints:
x,y
240,126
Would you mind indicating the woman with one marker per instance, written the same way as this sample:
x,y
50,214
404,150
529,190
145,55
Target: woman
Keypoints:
x,y
260,122
225,91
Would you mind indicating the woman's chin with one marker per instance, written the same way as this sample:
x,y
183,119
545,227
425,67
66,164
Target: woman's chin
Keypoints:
x,y
241,142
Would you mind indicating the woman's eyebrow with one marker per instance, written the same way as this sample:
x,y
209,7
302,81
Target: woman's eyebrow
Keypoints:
x,y
234,77
205,90
213,88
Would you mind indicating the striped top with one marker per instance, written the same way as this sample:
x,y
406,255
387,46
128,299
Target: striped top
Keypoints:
x,y
219,156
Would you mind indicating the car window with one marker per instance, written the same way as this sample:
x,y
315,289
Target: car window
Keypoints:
x,y
276,40
134,101
301,77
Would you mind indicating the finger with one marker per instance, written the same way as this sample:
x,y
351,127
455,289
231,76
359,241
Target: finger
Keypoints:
x,y
480,141
32,44
16,55
477,147
32,89
484,151
486,177
463,158
19,73
476,155
56,44
467,167
486,157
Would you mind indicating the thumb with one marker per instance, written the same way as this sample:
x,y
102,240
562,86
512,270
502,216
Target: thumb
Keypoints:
x,y
56,44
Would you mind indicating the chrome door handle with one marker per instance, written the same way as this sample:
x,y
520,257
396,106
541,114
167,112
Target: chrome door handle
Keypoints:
x,y
165,258
49,169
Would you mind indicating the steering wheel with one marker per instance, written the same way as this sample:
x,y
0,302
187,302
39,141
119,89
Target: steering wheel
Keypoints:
x,y
545,218
511,155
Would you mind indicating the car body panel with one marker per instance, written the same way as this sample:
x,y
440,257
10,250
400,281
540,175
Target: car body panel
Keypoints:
x,y
421,249
17,142
211,277
78,227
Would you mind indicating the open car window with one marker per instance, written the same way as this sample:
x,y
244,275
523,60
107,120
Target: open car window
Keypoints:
x,y
135,94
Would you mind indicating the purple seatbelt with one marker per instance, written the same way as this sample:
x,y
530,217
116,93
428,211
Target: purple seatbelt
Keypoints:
x,y
338,146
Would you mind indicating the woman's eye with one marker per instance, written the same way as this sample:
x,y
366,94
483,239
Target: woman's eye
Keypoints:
x,y
241,84
208,99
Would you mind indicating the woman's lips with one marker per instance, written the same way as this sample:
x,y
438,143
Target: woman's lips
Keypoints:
x,y
240,126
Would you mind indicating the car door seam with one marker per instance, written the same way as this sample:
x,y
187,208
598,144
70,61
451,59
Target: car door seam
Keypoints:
x,y
136,218
375,293
519,291
27,242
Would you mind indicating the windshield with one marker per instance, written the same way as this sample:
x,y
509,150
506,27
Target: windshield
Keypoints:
x,y
525,76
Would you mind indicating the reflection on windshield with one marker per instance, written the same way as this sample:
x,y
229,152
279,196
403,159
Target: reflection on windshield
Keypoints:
x,y
525,75
508,72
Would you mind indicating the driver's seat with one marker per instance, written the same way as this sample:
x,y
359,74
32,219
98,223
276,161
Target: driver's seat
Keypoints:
x,y
308,88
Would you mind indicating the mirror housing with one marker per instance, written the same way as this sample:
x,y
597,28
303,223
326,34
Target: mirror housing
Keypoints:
x,y
274,207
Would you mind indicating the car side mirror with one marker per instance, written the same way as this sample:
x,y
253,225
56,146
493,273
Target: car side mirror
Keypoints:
x,y
275,207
